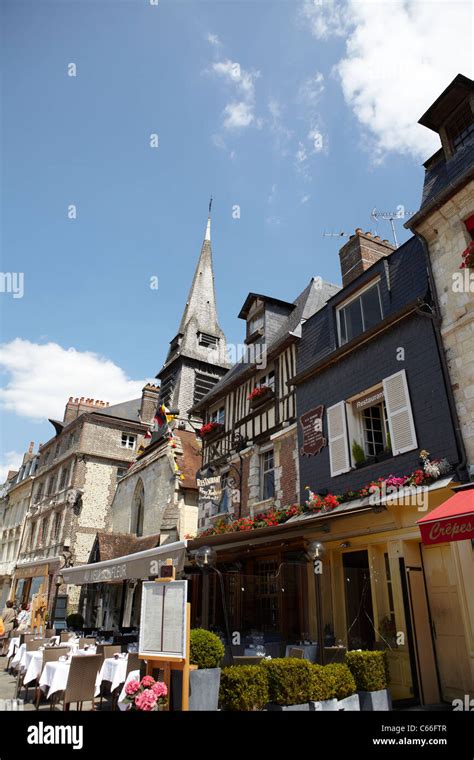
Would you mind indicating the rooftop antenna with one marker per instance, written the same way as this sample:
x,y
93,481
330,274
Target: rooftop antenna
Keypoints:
x,y
390,216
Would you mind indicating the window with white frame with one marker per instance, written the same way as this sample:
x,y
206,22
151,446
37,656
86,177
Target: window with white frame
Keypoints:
x,y
267,475
267,380
218,415
128,441
374,423
359,313
255,323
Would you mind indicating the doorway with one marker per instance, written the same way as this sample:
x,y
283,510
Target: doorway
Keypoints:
x,y
358,597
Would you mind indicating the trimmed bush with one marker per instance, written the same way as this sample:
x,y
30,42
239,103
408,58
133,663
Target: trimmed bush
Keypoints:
x,y
206,649
345,684
323,683
75,621
243,687
289,680
370,670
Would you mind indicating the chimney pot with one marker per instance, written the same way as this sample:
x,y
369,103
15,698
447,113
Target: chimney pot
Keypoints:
x,y
359,253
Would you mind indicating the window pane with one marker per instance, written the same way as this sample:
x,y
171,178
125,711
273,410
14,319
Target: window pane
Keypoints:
x,y
371,307
353,320
342,326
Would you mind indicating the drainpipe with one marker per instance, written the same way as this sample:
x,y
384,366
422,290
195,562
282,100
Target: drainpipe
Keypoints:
x,y
435,317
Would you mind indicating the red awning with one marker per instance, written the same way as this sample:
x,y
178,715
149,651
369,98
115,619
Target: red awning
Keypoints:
x,y
451,521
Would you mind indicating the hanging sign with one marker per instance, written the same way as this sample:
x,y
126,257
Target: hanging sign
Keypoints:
x,y
312,425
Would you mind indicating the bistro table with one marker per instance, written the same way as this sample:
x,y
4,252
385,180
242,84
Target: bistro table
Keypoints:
x,y
33,665
55,674
134,675
113,670
14,643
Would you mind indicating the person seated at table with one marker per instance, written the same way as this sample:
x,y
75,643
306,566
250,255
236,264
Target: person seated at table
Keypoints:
x,y
24,618
8,617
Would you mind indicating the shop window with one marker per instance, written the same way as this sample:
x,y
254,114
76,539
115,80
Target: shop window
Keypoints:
x,y
267,475
128,441
359,314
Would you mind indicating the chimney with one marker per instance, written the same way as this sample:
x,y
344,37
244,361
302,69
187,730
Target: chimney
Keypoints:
x,y
77,406
149,403
360,252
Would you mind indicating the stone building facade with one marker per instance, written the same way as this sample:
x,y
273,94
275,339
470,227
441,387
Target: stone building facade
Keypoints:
x,y
445,222
76,476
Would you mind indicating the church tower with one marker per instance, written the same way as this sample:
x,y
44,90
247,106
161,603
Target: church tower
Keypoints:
x,y
197,356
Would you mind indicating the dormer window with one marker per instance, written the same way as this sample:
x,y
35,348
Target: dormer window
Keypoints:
x,y
460,127
255,323
359,313
208,341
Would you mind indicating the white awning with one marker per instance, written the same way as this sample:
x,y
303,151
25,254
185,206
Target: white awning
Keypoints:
x,y
130,567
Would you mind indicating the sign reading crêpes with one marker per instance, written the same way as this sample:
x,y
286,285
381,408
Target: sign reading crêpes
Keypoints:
x,y
312,425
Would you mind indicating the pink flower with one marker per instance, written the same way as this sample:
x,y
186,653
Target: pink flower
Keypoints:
x,y
146,701
131,688
159,688
147,682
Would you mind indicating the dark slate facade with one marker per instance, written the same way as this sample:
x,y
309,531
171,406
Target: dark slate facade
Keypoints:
x,y
403,282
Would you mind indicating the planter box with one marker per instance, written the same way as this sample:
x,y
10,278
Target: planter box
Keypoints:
x,y
375,700
213,435
326,705
262,398
203,689
349,704
272,707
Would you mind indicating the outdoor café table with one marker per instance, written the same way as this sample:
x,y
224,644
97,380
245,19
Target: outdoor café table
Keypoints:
x,y
14,643
19,657
134,675
33,665
113,670
54,675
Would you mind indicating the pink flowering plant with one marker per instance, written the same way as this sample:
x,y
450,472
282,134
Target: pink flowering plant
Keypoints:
x,y
146,695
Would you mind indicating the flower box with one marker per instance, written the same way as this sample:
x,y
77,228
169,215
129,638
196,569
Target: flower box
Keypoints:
x,y
260,395
203,689
324,705
375,701
211,430
349,704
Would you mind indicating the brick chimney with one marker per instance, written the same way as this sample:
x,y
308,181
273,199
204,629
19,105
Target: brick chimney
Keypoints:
x,y
77,406
359,253
150,395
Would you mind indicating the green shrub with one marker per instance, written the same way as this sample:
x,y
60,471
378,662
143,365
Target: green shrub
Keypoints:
x,y
358,453
244,687
206,649
345,684
75,621
370,670
323,683
289,680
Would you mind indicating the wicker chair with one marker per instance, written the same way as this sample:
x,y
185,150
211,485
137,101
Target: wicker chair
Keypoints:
x,y
81,680
133,663
31,646
49,655
111,649
86,642
24,637
64,636
48,633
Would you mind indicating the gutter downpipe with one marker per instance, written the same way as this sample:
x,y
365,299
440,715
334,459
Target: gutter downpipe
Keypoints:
x,y
436,319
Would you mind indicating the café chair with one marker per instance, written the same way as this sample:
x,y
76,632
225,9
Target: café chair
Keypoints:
x,y
81,680
48,633
296,652
85,641
111,649
31,646
133,663
49,655
65,636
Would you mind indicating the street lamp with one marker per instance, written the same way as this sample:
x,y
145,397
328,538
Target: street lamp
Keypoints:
x,y
206,558
316,551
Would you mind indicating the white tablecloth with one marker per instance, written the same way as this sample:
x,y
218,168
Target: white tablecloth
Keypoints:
x,y
33,665
19,657
134,675
113,670
14,643
55,674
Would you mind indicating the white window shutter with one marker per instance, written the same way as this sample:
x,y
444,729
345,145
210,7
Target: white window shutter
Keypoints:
x,y
337,435
399,414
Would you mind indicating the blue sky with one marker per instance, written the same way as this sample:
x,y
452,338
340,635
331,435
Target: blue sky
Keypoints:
x,y
303,114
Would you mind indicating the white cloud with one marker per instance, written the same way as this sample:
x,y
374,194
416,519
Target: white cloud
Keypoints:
x,y
280,132
11,460
400,55
311,90
305,199
301,155
213,40
239,113
41,377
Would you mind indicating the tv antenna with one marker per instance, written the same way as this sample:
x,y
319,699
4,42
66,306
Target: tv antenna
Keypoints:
x,y
391,216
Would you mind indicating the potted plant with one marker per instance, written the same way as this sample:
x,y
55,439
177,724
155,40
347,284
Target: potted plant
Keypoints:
x,y
323,689
259,395
387,452
206,652
345,687
289,683
210,430
358,454
370,671
75,621
146,695
243,688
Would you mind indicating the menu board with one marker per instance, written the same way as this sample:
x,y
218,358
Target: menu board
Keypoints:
x,y
163,619
312,425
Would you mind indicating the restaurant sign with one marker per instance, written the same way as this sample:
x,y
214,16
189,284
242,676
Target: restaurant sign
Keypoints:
x,y
312,425
210,489
457,528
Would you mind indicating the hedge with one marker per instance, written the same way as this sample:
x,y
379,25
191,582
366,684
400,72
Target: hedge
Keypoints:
x,y
323,683
205,648
370,670
345,684
289,680
244,687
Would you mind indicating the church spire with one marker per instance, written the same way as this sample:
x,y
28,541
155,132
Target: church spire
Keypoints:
x,y
207,236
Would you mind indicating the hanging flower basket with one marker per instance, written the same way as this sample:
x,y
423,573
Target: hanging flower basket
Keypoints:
x,y
468,257
211,430
260,395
